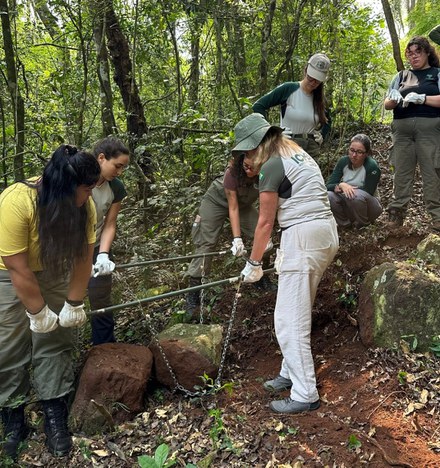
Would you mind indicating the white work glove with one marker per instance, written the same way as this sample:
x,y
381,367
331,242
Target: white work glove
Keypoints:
x,y
318,137
103,265
269,245
72,316
237,248
251,273
414,98
44,321
394,95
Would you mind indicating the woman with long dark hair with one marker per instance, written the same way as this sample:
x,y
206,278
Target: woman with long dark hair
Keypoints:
x,y
414,98
302,105
113,157
47,233
232,196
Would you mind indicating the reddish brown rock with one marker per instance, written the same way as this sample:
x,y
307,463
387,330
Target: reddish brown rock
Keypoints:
x,y
115,376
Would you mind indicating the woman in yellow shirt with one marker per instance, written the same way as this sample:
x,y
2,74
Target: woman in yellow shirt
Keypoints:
x,y
47,234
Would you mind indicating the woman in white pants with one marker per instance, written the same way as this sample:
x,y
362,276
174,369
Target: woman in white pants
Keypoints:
x,y
291,188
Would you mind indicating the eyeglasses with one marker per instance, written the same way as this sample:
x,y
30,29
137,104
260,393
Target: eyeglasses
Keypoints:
x,y
414,53
356,152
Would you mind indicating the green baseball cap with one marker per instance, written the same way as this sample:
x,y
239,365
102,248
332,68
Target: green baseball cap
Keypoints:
x,y
250,131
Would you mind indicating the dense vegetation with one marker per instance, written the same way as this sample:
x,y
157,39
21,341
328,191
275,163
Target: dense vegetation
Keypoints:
x,y
172,79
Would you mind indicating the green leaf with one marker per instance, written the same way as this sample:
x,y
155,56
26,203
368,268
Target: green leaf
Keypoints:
x,y
161,454
146,461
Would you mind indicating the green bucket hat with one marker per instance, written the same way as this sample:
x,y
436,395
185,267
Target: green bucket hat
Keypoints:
x,y
250,131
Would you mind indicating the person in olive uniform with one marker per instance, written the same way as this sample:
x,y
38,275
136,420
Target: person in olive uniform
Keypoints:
x,y
232,196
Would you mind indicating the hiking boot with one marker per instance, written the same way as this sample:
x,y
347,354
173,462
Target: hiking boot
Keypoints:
x,y
265,284
193,297
435,226
395,218
291,406
278,384
15,430
58,438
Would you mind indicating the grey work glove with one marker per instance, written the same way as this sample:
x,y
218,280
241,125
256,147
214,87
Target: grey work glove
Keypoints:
x,y
103,265
72,316
252,272
237,248
44,321
395,95
318,137
414,98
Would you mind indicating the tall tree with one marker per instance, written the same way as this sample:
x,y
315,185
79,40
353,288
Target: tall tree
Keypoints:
x,y
265,35
17,102
103,69
196,19
125,79
393,34
292,37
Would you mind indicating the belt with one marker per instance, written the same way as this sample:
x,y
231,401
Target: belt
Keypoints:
x,y
304,135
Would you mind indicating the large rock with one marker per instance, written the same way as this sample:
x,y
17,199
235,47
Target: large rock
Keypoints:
x,y
429,249
191,351
115,376
397,300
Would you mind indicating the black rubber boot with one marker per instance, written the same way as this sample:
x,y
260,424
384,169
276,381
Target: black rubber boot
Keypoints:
x,y
193,297
395,217
59,440
265,284
15,430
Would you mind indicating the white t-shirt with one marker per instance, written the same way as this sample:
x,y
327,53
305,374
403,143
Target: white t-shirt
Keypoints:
x,y
300,115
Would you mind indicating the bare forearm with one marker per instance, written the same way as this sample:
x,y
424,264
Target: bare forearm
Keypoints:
x,y
107,238
234,218
433,101
261,238
27,289
389,104
80,277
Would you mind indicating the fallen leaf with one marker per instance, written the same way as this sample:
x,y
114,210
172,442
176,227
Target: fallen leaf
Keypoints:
x,y
101,453
424,396
161,413
279,427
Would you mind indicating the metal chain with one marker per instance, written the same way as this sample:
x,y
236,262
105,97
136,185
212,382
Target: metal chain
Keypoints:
x,y
217,384
154,334
202,292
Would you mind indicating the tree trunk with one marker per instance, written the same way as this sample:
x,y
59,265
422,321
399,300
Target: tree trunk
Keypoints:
x,y
292,42
120,55
172,29
47,18
218,25
103,71
14,91
393,33
125,79
265,35
238,52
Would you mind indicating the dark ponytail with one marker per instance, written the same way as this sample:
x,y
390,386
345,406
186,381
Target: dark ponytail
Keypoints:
x,y
61,224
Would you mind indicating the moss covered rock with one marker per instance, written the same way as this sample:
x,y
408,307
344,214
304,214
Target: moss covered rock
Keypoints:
x,y
399,299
